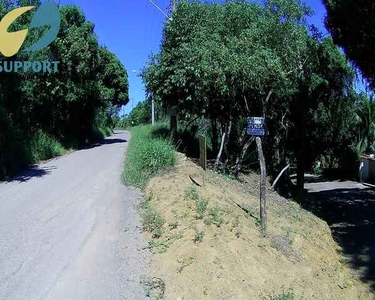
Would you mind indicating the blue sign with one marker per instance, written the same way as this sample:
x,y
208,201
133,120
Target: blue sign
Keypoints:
x,y
256,126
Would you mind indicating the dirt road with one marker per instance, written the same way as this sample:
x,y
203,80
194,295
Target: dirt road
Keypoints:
x,y
69,229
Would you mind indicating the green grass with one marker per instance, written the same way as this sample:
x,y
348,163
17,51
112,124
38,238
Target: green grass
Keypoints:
x,y
147,154
45,147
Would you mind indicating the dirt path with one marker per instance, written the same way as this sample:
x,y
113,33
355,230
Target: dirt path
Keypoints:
x,y
349,209
69,229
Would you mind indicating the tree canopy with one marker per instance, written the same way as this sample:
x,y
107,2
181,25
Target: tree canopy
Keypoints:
x,y
351,24
69,106
226,62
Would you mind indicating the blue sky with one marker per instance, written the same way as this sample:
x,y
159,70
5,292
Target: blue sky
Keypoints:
x,y
132,29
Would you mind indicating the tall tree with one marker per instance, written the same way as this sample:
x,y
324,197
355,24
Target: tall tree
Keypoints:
x,y
69,105
352,23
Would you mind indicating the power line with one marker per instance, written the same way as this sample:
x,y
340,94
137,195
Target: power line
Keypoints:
x,y
159,9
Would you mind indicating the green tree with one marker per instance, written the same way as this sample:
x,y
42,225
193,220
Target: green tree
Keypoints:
x,y
140,115
71,106
351,23
226,62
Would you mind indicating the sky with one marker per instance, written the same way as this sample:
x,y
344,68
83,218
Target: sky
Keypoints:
x,y
132,29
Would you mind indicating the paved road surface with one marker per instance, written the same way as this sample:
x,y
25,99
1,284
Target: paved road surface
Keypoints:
x,y
349,209
69,229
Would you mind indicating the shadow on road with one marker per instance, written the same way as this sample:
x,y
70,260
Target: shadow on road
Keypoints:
x,y
105,142
32,172
350,213
37,172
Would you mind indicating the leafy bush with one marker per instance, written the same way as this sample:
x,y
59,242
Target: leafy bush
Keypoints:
x,y
146,156
45,147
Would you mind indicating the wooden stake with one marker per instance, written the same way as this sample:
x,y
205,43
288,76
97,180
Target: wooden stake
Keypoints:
x,y
263,178
203,152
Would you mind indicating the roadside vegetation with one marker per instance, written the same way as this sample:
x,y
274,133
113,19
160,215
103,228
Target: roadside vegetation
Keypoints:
x,y
43,115
45,147
148,153
222,63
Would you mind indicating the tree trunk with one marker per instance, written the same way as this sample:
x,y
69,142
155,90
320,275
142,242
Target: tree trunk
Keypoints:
x,y
214,136
227,139
301,153
224,143
173,124
242,156
263,179
221,149
278,177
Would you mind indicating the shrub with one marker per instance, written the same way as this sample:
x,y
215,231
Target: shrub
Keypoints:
x,y
45,147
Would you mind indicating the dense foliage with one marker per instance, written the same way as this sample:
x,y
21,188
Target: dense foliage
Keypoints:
x,y
351,23
70,107
140,115
226,62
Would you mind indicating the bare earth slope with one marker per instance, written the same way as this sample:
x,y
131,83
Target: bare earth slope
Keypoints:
x,y
69,229
222,256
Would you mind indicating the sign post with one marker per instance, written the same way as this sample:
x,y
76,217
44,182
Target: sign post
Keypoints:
x,y
256,127
203,152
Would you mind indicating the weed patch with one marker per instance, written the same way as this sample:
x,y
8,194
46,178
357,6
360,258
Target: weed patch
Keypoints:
x,y
154,287
285,296
216,216
152,220
192,194
185,263
201,207
198,236
162,246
